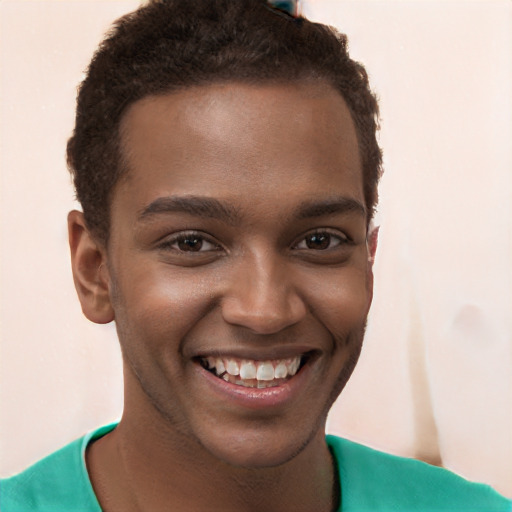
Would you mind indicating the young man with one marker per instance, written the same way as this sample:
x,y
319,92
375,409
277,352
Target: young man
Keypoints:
x,y
225,158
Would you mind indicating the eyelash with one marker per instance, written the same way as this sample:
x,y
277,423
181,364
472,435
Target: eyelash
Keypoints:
x,y
196,237
341,238
189,235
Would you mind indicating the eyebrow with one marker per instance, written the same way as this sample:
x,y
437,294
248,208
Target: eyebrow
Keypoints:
x,y
201,206
330,206
198,206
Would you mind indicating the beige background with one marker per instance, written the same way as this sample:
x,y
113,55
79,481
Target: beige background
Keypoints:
x,y
435,378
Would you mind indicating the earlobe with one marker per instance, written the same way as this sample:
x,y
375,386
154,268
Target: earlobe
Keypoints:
x,y
90,271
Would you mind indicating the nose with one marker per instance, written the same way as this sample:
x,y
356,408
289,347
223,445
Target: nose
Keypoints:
x,y
262,296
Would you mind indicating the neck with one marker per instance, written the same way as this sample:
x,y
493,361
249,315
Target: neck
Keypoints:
x,y
146,463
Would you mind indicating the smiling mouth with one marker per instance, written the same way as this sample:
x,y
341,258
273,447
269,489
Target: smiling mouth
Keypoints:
x,y
252,373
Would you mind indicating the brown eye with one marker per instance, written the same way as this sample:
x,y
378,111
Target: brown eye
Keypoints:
x,y
318,241
190,243
321,241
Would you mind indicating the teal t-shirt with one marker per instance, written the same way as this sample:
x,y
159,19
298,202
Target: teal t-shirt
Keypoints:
x,y
370,481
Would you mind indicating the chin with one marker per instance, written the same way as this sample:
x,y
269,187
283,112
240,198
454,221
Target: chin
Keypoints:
x,y
261,448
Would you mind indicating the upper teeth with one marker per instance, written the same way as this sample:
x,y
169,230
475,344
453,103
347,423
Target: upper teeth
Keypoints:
x,y
247,369
252,369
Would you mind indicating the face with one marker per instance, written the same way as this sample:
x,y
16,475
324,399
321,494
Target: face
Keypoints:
x,y
238,265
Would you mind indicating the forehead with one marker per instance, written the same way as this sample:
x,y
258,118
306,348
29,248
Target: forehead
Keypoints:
x,y
224,139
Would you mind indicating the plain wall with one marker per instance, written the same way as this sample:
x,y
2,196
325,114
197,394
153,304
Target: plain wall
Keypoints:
x,y
435,377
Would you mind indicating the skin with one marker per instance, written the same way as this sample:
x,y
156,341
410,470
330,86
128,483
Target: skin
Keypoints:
x,y
279,264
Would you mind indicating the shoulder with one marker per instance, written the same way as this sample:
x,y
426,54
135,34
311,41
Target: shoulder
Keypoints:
x,y
372,480
57,483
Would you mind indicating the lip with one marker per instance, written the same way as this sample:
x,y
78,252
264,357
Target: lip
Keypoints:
x,y
257,399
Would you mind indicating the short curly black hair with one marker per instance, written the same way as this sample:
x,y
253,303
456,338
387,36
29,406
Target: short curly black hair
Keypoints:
x,y
168,45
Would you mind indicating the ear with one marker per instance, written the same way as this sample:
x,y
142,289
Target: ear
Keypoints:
x,y
371,242
373,238
90,270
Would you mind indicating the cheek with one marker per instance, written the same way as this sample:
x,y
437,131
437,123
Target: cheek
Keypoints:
x,y
160,304
340,299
